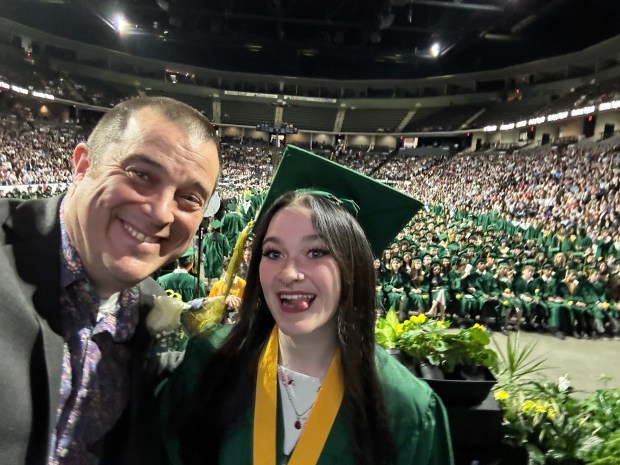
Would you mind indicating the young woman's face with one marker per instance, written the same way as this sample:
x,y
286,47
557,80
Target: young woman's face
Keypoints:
x,y
299,277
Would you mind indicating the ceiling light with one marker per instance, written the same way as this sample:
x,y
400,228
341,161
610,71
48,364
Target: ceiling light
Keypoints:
x,y
254,47
120,23
309,52
435,49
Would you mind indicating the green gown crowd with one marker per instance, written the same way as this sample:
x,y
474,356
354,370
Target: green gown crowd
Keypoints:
x,y
470,267
485,268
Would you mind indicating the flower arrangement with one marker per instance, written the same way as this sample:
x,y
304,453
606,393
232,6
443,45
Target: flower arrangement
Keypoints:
x,y
430,340
547,420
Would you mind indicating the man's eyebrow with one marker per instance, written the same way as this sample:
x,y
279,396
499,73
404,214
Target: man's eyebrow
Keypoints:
x,y
195,184
138,157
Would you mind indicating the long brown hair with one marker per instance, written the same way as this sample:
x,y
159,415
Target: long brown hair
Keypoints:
x,y
223,394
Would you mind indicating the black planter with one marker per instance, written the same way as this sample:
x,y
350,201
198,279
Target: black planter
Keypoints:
x,y
400,356
454,390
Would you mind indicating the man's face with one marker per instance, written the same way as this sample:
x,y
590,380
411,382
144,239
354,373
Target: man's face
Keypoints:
x,y
139,207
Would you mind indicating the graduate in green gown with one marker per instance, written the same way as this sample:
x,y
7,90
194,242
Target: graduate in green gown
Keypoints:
x,y
379,293
299,379
528,293
572,291
232,223
437,285
481,285
396,286
417,297
215,247
511,311
597,297
181,281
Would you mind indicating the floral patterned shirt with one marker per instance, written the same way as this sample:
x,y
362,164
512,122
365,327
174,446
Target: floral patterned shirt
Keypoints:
x,y
95,381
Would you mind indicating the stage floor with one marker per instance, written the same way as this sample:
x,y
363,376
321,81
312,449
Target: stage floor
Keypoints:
x,y
583,360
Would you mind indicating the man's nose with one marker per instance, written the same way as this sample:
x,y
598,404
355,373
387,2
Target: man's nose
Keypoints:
x,y
162,207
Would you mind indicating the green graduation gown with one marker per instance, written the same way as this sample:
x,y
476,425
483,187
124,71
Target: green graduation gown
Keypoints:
x,y
215,247
416,416
184,283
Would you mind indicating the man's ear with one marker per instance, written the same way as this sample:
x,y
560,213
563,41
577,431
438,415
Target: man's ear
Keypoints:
x,y
81,161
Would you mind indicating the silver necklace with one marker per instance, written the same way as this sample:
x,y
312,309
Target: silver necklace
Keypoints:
x,y
286,382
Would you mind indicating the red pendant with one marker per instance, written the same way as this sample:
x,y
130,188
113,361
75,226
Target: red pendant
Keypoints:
x,y
298,424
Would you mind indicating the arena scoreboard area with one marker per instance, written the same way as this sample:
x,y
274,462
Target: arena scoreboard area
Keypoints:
x,y
270,128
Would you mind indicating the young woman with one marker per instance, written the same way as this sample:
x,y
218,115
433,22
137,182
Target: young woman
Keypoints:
x,y
299,378
437,285
417,301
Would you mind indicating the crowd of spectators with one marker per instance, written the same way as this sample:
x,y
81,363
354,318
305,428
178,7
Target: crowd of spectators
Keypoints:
x,y
548,196
565,187
36,153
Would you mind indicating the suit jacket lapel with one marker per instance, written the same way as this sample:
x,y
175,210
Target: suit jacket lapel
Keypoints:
x,y
32,233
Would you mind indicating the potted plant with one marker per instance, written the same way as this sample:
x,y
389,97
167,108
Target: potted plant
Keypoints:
x,y
545,422
441,356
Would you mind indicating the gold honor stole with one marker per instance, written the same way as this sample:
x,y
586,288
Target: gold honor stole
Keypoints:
x,y
321,418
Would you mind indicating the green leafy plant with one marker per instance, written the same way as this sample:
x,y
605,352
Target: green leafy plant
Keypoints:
x,y
385,330
517,364
428,340
547,420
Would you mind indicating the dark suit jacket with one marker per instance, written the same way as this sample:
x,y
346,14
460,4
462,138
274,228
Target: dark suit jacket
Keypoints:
x,y
31,343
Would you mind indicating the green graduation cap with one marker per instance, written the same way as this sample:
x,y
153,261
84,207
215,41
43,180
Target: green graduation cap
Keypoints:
x,y
187,256
216,224
189,253
383,211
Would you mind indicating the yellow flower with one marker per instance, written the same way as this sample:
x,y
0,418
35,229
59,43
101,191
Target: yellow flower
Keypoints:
x,y
479,326
173,294
425,296
507,290
537,291
421,318
501,395
540,409
605,305
551,413
570,302
399,329
528,406
459,296
442,324
505,302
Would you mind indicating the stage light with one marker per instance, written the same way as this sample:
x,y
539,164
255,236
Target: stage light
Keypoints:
x,y
120,23
435,49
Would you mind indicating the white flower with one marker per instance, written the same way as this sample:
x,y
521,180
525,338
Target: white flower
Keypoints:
x,y
564,383
165,315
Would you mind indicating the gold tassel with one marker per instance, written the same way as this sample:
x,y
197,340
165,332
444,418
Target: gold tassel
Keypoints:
x,y
213,310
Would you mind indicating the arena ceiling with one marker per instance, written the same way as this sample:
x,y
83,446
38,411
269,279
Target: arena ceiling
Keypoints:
x,y
342,39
